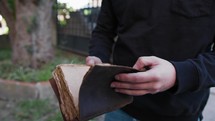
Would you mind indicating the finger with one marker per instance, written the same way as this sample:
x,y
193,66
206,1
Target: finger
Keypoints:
x,y
92,60
144,62
138,77
131,86
132,92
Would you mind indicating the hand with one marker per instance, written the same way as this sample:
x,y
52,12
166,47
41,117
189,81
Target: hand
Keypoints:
x,y
159,76
93,60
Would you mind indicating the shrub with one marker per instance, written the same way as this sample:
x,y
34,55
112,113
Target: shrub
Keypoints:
x,y
12,72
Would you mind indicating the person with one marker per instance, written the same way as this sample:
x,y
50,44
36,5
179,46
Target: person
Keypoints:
x,y
171,42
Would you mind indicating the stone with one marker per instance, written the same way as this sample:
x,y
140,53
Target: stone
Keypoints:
x,y
45,91
14,90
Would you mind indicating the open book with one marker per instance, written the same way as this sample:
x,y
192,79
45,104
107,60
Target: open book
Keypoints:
x,y
84,92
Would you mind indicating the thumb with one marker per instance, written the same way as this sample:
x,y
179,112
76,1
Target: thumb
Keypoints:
x,y
145,62
92,60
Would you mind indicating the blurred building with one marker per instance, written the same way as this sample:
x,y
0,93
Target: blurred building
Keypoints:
x,y
95,3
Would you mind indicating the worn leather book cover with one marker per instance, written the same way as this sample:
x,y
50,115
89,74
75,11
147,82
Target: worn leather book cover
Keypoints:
x,y
84,92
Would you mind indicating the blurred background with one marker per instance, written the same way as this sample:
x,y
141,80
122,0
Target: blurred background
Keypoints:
x,y
35,36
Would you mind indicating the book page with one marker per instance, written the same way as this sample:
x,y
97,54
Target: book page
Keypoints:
x,y
74,77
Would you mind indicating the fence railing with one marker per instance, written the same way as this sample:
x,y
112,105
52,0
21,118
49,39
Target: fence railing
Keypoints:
x,y
76,33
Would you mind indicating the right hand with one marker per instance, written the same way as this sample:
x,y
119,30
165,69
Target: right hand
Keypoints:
x,y
160,76
93,60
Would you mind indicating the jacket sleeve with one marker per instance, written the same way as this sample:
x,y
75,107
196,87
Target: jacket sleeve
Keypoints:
x,y
103,35
196,74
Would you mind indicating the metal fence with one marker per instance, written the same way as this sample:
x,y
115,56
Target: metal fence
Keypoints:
x,y
76,33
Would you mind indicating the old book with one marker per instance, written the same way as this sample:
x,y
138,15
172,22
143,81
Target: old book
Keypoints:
x,y
84,92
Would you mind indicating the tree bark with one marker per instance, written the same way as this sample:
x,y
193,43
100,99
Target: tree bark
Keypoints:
x,y
33,31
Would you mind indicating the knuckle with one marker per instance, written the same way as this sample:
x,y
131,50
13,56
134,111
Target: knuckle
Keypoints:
x,y
154,57
156,87
141,59
157,77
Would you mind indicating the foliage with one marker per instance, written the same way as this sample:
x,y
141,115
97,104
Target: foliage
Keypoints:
x,y
11,72
11,4
26,74
35,110
5,54
56,117
62,7
63,13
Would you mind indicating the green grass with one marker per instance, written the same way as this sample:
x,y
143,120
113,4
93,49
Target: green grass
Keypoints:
x,y
37,110
56,117
5,54
9,71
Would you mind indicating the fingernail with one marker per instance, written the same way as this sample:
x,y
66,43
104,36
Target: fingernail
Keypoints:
x,y
113,85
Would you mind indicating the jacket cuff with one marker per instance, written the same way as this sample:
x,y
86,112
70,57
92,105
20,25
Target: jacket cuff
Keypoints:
x,y
186,77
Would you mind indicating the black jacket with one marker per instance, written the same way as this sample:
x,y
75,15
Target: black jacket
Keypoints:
x,y
180,31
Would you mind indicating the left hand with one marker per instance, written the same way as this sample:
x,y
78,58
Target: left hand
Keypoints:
x,y
93,60
160,76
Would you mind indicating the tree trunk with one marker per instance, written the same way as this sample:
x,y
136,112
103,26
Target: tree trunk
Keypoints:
x,y
35,31
32,30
